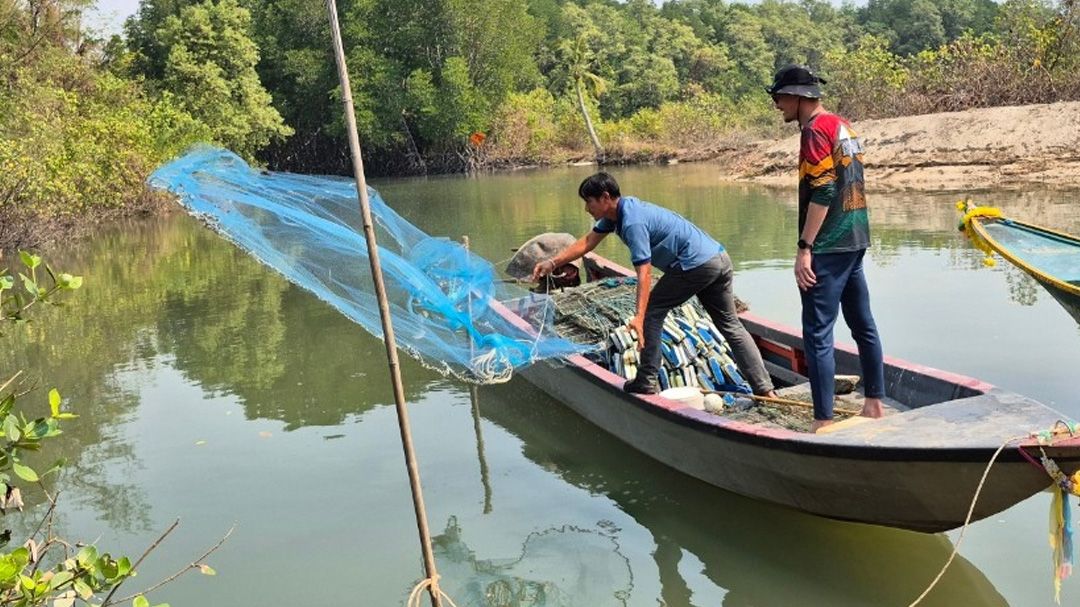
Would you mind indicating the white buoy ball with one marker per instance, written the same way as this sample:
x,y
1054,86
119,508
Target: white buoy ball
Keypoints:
x,y
714,403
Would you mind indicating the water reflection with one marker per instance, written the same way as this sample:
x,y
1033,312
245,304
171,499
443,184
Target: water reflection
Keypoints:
x,y
557,567
761,554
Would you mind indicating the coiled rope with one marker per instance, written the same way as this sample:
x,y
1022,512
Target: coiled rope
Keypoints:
x,y
432,583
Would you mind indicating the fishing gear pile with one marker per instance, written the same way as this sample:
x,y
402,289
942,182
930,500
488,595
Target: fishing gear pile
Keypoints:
x,y
694,352
309,230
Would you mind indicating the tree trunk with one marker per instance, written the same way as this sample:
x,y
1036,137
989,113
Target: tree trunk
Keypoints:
x,y
415,159
589,125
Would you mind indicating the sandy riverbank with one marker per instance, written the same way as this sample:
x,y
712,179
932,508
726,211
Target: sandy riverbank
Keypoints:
x,y
1002,147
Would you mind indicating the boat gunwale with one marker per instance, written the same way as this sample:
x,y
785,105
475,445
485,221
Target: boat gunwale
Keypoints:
x,y
778,438
804,443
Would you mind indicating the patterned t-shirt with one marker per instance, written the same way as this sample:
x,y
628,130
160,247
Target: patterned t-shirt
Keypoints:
x,y
831,174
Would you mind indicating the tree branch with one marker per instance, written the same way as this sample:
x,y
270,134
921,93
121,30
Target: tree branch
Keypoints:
x,y
193,565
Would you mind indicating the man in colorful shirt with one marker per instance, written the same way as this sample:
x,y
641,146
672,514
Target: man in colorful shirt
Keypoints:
x,y
834,232
693,264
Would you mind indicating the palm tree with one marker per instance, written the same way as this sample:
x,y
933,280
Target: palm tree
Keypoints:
x,y
580,60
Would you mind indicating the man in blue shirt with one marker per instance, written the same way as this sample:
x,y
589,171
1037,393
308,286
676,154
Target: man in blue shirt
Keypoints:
x,y
693,264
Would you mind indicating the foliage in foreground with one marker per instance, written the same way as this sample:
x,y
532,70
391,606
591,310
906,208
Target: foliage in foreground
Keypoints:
x,y
44,569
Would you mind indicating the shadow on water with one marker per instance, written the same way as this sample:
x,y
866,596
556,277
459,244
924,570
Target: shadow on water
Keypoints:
x,y
760,553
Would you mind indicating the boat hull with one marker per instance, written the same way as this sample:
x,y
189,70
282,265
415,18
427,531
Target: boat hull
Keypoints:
x,y
917,470
923,490
1050,257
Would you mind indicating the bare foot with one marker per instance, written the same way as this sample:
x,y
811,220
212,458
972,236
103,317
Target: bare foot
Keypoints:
x,y
872,408
819,424
770,394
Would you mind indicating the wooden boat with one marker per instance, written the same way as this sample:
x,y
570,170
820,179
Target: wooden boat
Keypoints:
x,y
917,469
1050,257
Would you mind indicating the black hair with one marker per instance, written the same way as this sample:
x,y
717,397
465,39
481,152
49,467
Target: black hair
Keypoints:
x,y
596,185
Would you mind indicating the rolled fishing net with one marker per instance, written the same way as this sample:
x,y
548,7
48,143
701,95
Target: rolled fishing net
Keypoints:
x,y
309,229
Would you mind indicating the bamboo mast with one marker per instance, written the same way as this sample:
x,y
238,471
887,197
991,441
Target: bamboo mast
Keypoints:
x,y
384,310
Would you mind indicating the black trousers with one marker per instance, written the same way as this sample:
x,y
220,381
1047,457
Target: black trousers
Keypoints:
x,y
712,283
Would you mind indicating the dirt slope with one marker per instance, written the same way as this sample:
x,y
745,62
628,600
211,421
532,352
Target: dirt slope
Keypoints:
x,y
1003,147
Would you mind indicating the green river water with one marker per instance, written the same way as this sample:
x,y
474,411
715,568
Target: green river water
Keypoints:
x,y
212,391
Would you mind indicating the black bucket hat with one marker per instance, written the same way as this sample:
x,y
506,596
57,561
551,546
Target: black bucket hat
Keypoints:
x,y
797,80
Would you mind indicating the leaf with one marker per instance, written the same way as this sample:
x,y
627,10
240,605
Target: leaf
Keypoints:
x,y
25,472
60,579
67,281
29,260
8,570
11,428
84,591
140,601
7,281
207,570
86,556
108,567
67,599
21,557
54,402
29,284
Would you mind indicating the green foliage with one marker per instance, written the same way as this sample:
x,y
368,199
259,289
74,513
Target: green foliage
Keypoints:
x,y
37,284
528,127
210,69
912,26
68,149
44,570
81,130
25,579
866,81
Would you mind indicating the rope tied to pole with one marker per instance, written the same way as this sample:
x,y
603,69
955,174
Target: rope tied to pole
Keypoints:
x,y
431,584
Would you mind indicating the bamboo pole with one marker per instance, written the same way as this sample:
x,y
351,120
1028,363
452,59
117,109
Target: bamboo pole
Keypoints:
x,y
787,402
384,310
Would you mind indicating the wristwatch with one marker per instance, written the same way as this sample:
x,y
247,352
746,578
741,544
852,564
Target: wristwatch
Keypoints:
x,y
802,244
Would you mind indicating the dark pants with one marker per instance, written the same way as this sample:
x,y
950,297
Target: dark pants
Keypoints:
x,y
711,282
841,284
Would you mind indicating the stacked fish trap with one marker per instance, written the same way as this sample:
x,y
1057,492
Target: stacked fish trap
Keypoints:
x,y
695,354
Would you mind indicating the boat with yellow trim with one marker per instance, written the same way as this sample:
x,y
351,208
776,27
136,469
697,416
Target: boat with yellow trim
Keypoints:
x,y
1049,256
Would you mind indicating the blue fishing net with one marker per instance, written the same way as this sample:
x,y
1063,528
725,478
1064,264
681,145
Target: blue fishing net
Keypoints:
x,y
443,299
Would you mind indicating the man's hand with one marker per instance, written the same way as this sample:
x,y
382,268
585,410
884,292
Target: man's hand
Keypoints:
x,y
637,324
804,274
542,269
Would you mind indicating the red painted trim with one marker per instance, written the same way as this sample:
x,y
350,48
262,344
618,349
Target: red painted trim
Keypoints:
x,y
953,378
702,417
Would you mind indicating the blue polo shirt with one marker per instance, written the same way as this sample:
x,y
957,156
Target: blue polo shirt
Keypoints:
x,y
659,236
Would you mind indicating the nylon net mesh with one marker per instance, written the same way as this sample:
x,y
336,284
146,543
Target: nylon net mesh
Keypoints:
x,y
443,299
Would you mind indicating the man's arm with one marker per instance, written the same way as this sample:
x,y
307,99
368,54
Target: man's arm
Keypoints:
x,y
817,146
573,252
815,216
644,288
